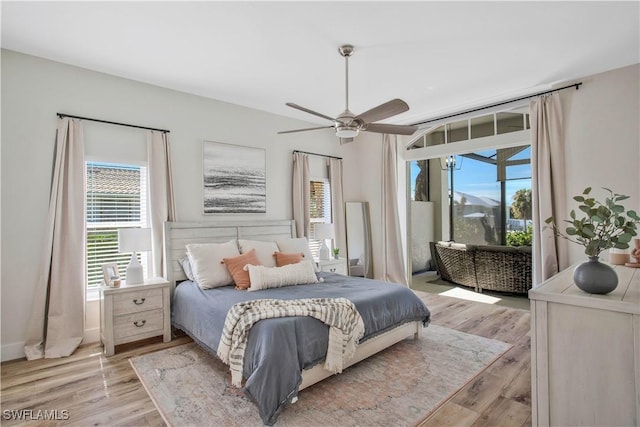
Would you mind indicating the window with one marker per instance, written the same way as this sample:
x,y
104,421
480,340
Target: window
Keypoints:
x,y
319,210
478,198
487,186
116,198
475,127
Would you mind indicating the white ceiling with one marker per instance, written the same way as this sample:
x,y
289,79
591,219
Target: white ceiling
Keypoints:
x,y
437,56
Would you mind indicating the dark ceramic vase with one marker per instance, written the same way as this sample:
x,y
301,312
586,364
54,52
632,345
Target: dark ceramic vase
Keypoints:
x,y
595,277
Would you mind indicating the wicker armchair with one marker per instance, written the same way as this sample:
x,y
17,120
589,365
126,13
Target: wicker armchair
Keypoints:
x,y
495,268
455,263
503,268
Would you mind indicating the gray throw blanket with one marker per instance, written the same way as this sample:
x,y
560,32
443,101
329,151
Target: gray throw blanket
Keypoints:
x,y
345,328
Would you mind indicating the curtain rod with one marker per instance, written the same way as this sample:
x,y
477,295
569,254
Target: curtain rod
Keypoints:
x,y
316,154
61,115
576,85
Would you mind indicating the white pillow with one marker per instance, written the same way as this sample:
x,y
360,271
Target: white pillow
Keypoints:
x,y
206,263
300,244
263,277
186,267
264,250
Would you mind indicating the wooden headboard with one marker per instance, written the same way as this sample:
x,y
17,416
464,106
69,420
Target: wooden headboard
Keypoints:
x,y
179,234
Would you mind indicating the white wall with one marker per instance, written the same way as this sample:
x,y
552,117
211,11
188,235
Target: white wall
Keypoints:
x,y
35,89
362,182
602,137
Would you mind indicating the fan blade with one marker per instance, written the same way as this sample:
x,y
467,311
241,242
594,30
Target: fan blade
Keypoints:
x,y
384,111
306,110
304,130
391,129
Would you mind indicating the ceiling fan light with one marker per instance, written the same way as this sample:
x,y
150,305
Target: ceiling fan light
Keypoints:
x,y
346,131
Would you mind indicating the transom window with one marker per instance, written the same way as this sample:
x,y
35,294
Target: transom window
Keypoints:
x,y
473,128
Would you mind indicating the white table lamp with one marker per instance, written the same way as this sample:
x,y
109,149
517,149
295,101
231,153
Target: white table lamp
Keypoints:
x,y
323,232
134,240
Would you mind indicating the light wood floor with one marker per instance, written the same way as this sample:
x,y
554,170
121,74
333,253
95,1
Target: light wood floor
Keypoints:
x,y
95,390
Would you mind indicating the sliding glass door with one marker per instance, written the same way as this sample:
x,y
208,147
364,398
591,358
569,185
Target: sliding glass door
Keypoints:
x,y
484,185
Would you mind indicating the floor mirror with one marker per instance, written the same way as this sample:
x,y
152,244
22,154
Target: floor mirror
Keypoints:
x,y
358,226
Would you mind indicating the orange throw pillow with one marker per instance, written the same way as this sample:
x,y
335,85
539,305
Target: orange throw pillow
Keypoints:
x,y
235,266
286,259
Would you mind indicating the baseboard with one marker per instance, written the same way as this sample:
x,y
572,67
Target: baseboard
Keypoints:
x,y
15,350
91,335
12,351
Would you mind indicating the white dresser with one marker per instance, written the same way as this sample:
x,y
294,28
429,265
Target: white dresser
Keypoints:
x,y
134,312
585,353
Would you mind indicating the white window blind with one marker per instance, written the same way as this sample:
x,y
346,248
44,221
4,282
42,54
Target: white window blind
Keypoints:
x,y
319,210
116,198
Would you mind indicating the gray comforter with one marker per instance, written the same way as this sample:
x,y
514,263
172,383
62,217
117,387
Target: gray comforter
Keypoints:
x,y
279,349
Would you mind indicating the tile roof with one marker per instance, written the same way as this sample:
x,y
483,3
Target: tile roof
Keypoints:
x,y
113,180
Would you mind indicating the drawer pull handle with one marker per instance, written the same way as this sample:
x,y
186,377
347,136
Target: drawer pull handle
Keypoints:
x,y
139,323
135,301
333,270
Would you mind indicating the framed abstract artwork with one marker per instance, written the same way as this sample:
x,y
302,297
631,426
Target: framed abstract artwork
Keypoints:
x,y
234,179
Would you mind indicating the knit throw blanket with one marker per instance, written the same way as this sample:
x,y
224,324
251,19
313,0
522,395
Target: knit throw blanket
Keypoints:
x,y
345,328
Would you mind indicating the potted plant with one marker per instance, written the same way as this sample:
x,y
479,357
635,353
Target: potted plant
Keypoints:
x,y
604,225
336,251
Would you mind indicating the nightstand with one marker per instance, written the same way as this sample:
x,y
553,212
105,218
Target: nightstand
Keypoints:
x,y
134,312
338,266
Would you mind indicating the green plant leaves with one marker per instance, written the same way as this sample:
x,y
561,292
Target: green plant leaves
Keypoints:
x,y
605,224
588,230
625,237
586,209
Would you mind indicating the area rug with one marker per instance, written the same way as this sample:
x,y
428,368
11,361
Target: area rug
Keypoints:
x,y
399,386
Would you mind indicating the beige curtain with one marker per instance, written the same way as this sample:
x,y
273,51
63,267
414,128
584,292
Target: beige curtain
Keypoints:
x,y
337,205
160,194
301,213
550,254
56,327
393,267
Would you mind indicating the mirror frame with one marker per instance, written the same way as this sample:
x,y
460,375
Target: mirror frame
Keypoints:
x,y
366,232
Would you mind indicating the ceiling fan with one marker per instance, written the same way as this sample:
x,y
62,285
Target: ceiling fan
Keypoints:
x,y
348,125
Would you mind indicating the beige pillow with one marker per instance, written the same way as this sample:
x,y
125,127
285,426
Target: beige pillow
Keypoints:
x,y
264,250
263,277
206,263
299,244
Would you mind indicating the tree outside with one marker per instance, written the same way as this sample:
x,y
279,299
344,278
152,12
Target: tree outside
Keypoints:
x,y
521,207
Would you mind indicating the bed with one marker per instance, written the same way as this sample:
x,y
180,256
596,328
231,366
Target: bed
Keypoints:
x,y
283,355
